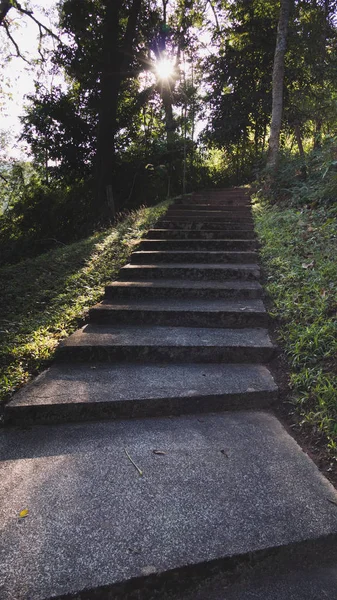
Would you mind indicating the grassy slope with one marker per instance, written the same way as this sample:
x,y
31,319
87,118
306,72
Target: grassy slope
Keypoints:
x,y
44,299
299,254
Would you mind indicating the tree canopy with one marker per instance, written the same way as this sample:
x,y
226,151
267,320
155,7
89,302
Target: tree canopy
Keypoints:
x,y
164,96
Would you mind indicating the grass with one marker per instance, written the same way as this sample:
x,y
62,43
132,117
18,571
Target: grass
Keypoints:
x,y
299,251
44,299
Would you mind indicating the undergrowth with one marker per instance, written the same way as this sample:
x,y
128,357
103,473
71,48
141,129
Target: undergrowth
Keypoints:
x,y
299,251
45,298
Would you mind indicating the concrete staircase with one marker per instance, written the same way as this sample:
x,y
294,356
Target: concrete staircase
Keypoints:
x,y
195,480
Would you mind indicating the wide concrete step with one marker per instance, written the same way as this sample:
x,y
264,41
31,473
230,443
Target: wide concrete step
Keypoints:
x,y
171,344
209,207
201,234
197,244
224,226
222,194
226,489
182,313
296,572
205,272
148,257
101,390
208,218
234,201
175,288
209,214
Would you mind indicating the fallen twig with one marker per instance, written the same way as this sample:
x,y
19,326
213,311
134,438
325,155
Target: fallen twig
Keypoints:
x,y
134,464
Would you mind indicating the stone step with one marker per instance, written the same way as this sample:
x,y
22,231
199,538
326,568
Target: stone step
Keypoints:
x,y
217,225
204,272
233,202
176,288
229,193
210,207
167,344
229,489
179,312
148,257
296,572
205,214
101,390
219,199
202,234
197,244
208,218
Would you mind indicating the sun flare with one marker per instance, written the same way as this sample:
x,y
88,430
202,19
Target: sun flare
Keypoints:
x,y
164,68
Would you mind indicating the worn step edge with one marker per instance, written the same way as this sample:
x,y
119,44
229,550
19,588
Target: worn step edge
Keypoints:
x,y
210,207
94,399
207,313
221,245
175,344
210,214
173,584
184,289
200,225
201,272
194,256
202,234
207,219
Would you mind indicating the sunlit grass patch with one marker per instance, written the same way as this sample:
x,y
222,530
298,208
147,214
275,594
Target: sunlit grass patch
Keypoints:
x,y
45,298
299,256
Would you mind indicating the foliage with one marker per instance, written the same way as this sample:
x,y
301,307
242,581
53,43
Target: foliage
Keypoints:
x,y
61,124
14,177
240,76
42,216
312,181
239,80
299,257
43,299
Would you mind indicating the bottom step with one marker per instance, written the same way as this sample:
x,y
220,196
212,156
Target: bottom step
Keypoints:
x,y
225,487
99,391
290,575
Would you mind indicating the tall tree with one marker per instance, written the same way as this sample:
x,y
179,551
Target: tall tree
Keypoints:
x,y
115,66
278,79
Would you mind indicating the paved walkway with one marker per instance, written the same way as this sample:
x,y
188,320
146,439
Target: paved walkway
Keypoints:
x,y
149,451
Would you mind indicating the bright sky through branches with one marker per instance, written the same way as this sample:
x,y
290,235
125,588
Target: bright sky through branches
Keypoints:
x,y
165,68
17,77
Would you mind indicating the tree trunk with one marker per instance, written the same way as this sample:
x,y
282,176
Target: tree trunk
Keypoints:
x,y
298,137
318,134
299,140
278,78
115,65
108,111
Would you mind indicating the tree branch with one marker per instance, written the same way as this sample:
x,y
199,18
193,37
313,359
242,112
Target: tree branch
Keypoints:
x,y
29,13
4,178
130,34
18,53
215,15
